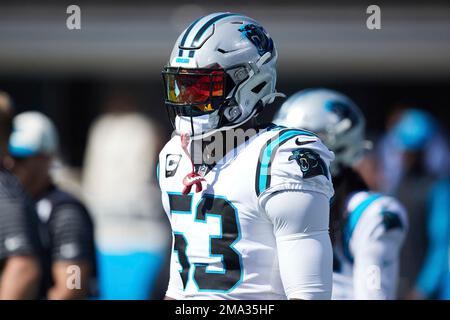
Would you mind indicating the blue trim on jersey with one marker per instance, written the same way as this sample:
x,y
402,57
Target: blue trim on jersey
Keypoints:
x,y
193,266
220,235
180,194
267,155
221,255
157,171
352,221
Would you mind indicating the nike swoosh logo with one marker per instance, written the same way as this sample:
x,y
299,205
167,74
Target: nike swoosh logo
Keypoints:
x,y
227,51
301,143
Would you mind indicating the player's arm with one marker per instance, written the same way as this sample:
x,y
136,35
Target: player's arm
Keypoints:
x,y
294,187
300,220
71,238
61,270
20,278
376,258
21,274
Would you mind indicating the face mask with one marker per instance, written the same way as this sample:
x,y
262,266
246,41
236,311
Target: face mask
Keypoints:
x,y
200,124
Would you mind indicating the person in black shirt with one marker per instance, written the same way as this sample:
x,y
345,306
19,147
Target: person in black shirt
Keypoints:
x,y
20,250
71,244
69,228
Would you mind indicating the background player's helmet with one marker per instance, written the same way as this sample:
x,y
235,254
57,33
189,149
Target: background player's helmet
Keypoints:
x,y
220,74
333,116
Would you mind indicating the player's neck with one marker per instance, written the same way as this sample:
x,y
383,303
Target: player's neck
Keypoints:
x,y
211,151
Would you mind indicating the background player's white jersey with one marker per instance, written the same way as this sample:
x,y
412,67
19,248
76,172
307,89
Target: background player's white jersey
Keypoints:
x,y
366,259
224,242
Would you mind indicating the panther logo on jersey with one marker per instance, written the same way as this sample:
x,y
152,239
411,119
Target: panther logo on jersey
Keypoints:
x,y
309,162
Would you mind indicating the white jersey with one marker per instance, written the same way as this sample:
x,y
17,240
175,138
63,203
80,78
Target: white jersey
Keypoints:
x,y
224,243
366,257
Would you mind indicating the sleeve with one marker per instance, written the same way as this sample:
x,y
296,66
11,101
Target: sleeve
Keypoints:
x,y
71,233
376,254
19,234
436,261
300,220
294,160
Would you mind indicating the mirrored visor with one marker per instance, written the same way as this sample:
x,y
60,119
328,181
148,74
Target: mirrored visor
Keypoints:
x,y
194,86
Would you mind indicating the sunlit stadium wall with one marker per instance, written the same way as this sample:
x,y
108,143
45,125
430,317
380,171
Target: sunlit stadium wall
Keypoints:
x,y
328,40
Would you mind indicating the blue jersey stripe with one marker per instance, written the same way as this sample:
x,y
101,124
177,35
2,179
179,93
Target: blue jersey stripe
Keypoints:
x,y
266,157
157,171
352,221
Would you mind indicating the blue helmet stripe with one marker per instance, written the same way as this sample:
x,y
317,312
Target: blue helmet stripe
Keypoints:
x,y
209,24
22,151
186,34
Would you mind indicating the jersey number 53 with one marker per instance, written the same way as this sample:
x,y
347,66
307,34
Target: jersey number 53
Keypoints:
x,y
222,269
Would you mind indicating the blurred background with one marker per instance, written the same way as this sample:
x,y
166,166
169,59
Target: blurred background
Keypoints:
x,y
102,88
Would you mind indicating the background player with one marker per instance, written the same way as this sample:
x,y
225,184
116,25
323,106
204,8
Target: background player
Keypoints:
x,y
252,223
367,228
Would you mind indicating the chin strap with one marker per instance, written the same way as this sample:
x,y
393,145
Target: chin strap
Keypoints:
x,y
193,177
271,97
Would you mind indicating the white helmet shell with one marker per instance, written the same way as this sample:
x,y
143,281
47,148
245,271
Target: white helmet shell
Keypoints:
x,y
244,49
333,116
33,134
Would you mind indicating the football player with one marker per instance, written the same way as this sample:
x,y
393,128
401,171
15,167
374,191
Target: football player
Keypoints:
x,y
253,223
367,228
